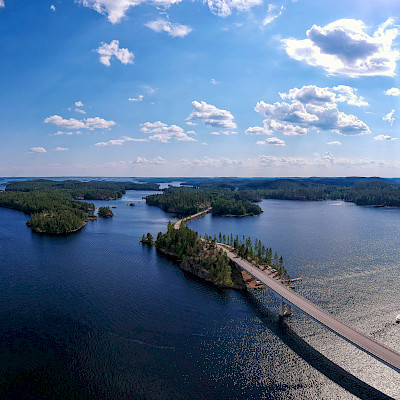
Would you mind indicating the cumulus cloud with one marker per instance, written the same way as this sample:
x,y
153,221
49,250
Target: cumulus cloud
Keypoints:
x,y
313,94
80,111
2,3
384,137
162,132
214,81
224,8
394,91
119,142
389,117
72,123
78,104
116,9
52,7
311,108
107,51
271,126
335,143
212,116
37,150
139,98
272,140
62,148
174,30
343,47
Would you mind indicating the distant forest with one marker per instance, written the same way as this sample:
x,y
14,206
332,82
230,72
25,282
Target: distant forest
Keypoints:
x,y
53,206
235,196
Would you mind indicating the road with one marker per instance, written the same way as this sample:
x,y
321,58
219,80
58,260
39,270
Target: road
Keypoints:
x,y
370,346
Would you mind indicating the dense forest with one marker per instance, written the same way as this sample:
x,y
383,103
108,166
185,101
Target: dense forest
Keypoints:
x,y
187,201
51,212
92,190
185,244
225,194
105,212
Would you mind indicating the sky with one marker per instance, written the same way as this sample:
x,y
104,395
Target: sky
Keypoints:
x,y
199,88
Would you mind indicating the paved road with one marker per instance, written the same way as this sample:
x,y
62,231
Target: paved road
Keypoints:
x,y
382,353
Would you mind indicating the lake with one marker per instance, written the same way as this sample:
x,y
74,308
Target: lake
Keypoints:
x,y
97,315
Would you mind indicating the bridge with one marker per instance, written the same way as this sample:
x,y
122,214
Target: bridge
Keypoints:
x,y
290,298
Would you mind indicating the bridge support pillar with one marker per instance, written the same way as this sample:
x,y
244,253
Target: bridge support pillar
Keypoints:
x,y
284,309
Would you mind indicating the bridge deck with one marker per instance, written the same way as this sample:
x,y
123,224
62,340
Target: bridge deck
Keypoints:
x,y
377,350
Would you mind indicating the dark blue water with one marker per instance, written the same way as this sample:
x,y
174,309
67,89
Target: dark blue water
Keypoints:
x,y
96,315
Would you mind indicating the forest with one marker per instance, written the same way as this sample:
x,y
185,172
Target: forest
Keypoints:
x,y
92,190
185,201
203,256
51,212
229,191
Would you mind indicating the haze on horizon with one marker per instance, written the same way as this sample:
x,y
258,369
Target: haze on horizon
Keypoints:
x,y
243,88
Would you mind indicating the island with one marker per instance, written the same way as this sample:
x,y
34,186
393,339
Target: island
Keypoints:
x,y
54,206
105,212
204,258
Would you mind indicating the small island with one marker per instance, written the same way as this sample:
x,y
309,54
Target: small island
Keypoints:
x,y
105,212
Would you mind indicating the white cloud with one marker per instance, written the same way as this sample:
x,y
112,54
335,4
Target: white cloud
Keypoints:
x,y
62,148
174,30
2,3
80,111
343,47
311,108
107,51
272,140
226,133
78,104
72,123
348,94
224,8
157,160
37,150
116,9
384,137
214,82
312,94
119,142
272,14
98,123
52,7
389,117
139,98
271,126
161,132
335,143
394,91
212,115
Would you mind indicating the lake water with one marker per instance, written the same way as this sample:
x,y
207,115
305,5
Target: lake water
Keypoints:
x,y
96,315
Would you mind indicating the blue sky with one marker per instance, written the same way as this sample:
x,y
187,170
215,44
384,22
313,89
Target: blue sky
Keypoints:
x,y
193,88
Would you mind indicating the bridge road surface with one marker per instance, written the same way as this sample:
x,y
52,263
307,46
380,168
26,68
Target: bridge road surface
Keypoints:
x,y
370,346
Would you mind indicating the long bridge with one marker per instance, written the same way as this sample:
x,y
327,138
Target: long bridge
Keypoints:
x,y
289,298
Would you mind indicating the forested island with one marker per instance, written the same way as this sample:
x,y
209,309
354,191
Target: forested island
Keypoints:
x,y
202,258
235,196
54,207
185,201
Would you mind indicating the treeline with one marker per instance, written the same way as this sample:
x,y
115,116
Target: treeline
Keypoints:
x,y
256,252
361,191
91,190
194,254
51,212
187,201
